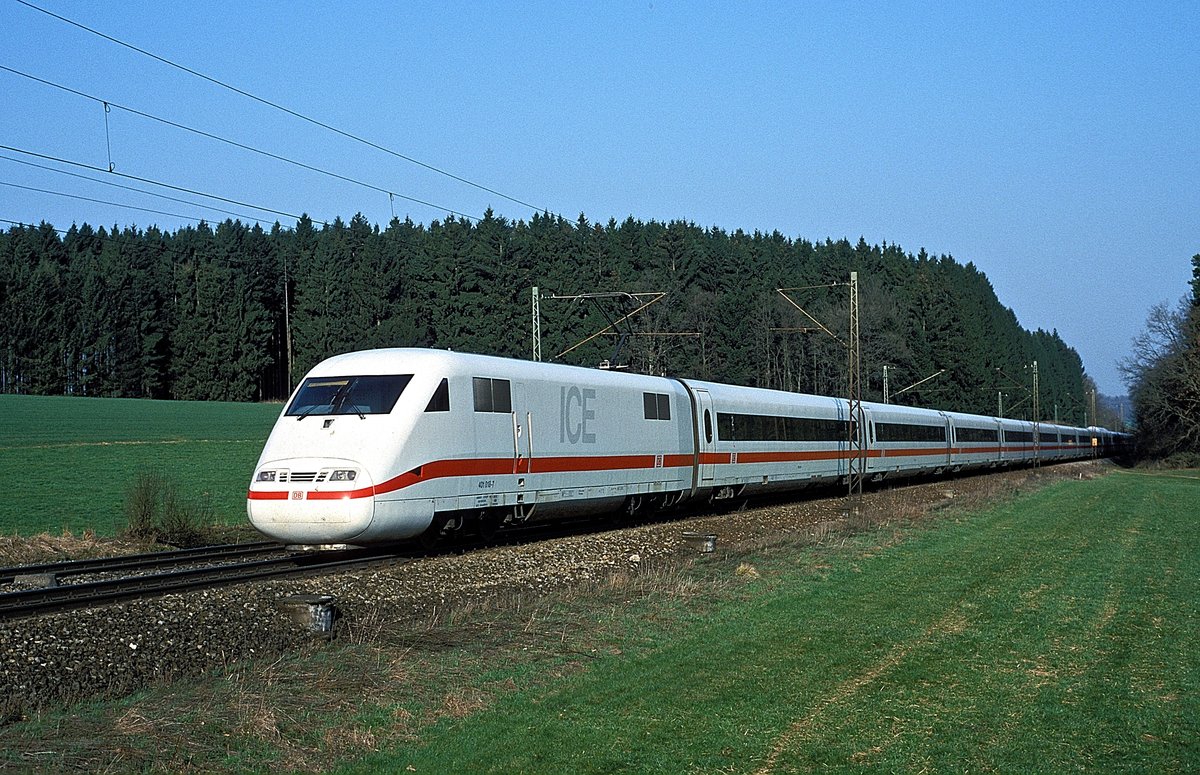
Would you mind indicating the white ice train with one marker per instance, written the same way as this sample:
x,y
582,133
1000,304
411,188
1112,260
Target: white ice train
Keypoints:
x,y
383,445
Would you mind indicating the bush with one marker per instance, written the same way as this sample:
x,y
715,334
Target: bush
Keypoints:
x,y
142,504
158,512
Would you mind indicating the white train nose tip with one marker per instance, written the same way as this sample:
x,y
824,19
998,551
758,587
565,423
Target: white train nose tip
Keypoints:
x,y
311,500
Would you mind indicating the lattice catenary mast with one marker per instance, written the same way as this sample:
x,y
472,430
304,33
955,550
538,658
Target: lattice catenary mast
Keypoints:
x,y
857,467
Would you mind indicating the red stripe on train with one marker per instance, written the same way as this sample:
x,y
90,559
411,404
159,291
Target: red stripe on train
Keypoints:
x,y
441,469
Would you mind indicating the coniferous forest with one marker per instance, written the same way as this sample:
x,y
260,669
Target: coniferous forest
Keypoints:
x,y
212,312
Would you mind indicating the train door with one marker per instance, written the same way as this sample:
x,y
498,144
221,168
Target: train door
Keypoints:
x,y
522,430
707,435
847,457
868,440
949,437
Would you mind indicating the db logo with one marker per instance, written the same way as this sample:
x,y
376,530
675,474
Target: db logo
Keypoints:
x,y
297,495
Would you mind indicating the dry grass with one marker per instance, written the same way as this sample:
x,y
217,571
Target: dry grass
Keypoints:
x,y
747,571
46,548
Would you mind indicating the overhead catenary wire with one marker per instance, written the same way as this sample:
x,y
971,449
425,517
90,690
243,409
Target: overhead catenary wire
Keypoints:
x,y
172,187
109,104
143,191
106,202
284,109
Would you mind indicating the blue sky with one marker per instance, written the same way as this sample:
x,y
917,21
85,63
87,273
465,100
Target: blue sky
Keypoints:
x,y
1055,145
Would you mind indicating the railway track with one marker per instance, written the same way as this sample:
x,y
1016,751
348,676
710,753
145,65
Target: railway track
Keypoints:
x,y
82,583
147,575
147,561
112,579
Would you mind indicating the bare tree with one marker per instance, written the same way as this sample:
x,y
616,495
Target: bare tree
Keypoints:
x,y
1163,337
1163,375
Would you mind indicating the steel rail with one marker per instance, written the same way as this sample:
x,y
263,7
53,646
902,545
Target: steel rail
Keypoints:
x,y
37,601
136,561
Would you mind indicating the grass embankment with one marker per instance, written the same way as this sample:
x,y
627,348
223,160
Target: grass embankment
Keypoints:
x,y
71,461
1053,633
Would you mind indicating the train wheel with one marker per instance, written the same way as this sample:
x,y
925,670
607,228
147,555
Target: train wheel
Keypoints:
x,y
488,524
432,537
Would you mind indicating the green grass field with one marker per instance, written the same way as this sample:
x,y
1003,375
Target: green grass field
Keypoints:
x,y
70,461
1054,633
1057,633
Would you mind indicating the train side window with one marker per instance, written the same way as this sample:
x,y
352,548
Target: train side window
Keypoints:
x,y
492,395
501,396
707,426
656,406
754,427
483,394
440,402
891,431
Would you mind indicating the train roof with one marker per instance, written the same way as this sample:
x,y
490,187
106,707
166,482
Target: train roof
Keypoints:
x,y
394,360
405,360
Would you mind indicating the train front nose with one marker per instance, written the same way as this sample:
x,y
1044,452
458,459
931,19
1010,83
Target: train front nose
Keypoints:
x,y
311,500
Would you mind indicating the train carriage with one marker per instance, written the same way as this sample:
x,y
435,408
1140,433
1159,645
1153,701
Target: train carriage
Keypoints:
x,y
1016,441
465,434
767,440
905,441
976,440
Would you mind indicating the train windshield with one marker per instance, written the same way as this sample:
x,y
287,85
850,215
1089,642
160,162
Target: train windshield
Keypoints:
x,y
348,395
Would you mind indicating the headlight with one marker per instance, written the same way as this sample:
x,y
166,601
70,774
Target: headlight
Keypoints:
x,y
266,476
343,475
